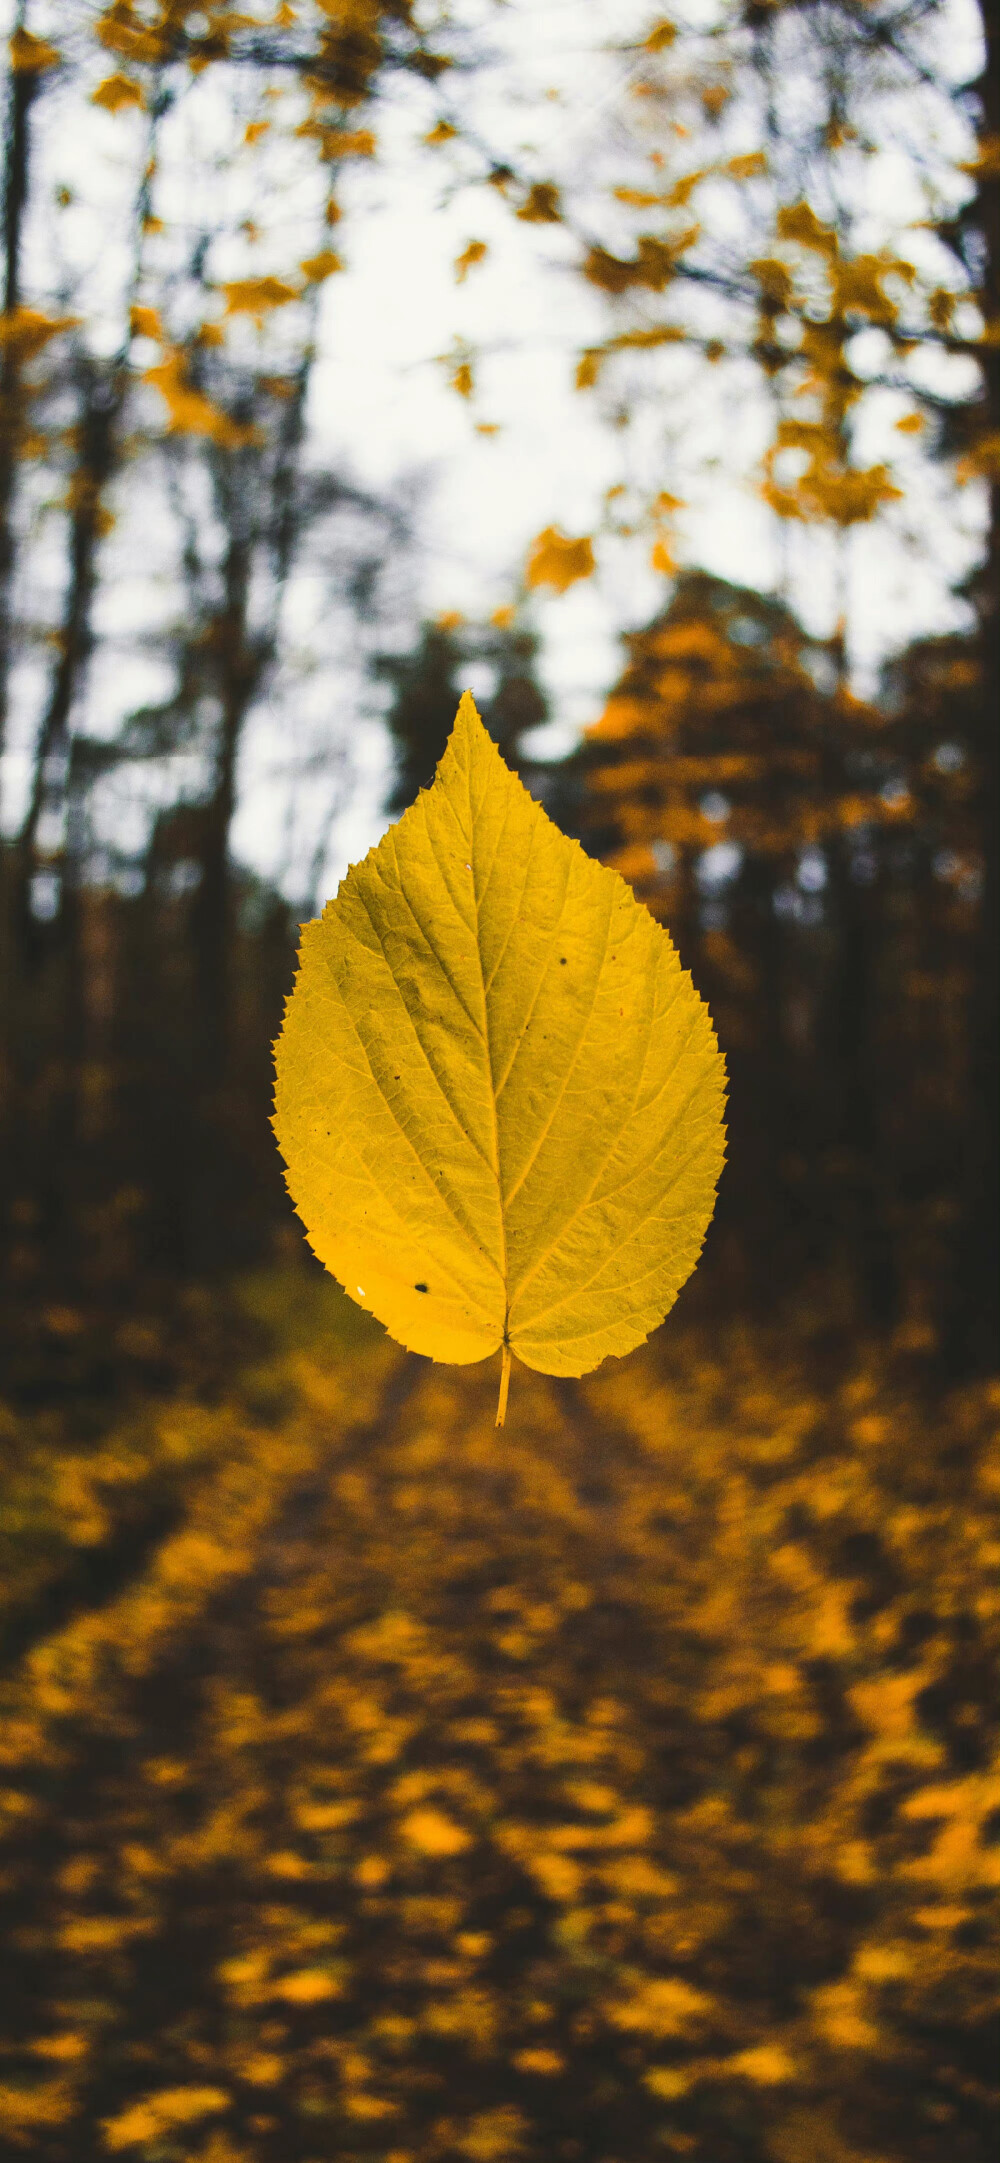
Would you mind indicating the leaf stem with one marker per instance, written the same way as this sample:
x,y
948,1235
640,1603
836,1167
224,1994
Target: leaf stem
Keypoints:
x,y
504,1386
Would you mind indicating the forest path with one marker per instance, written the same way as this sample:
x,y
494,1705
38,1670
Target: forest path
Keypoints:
x,y
614,1784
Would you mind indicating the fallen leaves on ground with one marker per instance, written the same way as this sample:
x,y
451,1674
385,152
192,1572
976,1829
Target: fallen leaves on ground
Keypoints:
x,y
376,1788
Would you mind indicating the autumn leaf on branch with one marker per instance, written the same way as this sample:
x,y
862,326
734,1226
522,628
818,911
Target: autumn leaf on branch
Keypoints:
x,y
474,252
118,93
30,55
541,205
258,296
24,332
556,560
190,412
319,267
145,322
499,1096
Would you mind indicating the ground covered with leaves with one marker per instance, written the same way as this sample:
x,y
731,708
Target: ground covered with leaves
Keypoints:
x,y
377,1787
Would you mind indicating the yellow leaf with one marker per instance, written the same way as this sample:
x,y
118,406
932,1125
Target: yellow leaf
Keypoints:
x,y
541,205
641,341
986,165
443,133
339,142
32,56
661,2005
257,296
434,1834
24,331
69,2045
654,266
23,2110
858,288
499,1097
472,253
768,2065
307,1986
145,322
668,2081
117,93
556,560
798,221
351,14
680,194
121,31
191,413
262,2067
356,143
661,35
158,2114
774,278
324,265
982,461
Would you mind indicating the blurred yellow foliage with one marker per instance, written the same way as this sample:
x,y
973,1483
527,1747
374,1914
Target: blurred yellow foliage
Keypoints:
x,y
190,411
324,265
474,252
556,560
26,331
30,55
117,93
160,2113
258,296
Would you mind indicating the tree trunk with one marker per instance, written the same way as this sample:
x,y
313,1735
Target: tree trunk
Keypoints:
x,y
23,85
100,401
973,1327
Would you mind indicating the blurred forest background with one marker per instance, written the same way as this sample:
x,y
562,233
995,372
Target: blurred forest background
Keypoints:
x,y
371,1789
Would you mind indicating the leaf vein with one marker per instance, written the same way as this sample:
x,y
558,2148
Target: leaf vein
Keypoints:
x,y
425,1055
542,1258
426,937
494,972
526,1023
633,1232
386,1196
571,1069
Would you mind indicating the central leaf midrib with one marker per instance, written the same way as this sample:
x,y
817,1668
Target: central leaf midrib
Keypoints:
x,y
488,1045
571,1067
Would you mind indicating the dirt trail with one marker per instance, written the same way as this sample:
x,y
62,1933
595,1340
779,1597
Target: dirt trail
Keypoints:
x,y
610,1786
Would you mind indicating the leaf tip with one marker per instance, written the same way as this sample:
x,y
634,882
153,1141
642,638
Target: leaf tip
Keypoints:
x,y
468,715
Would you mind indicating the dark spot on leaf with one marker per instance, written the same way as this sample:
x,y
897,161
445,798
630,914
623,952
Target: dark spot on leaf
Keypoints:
x,y
562,961
420,1287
